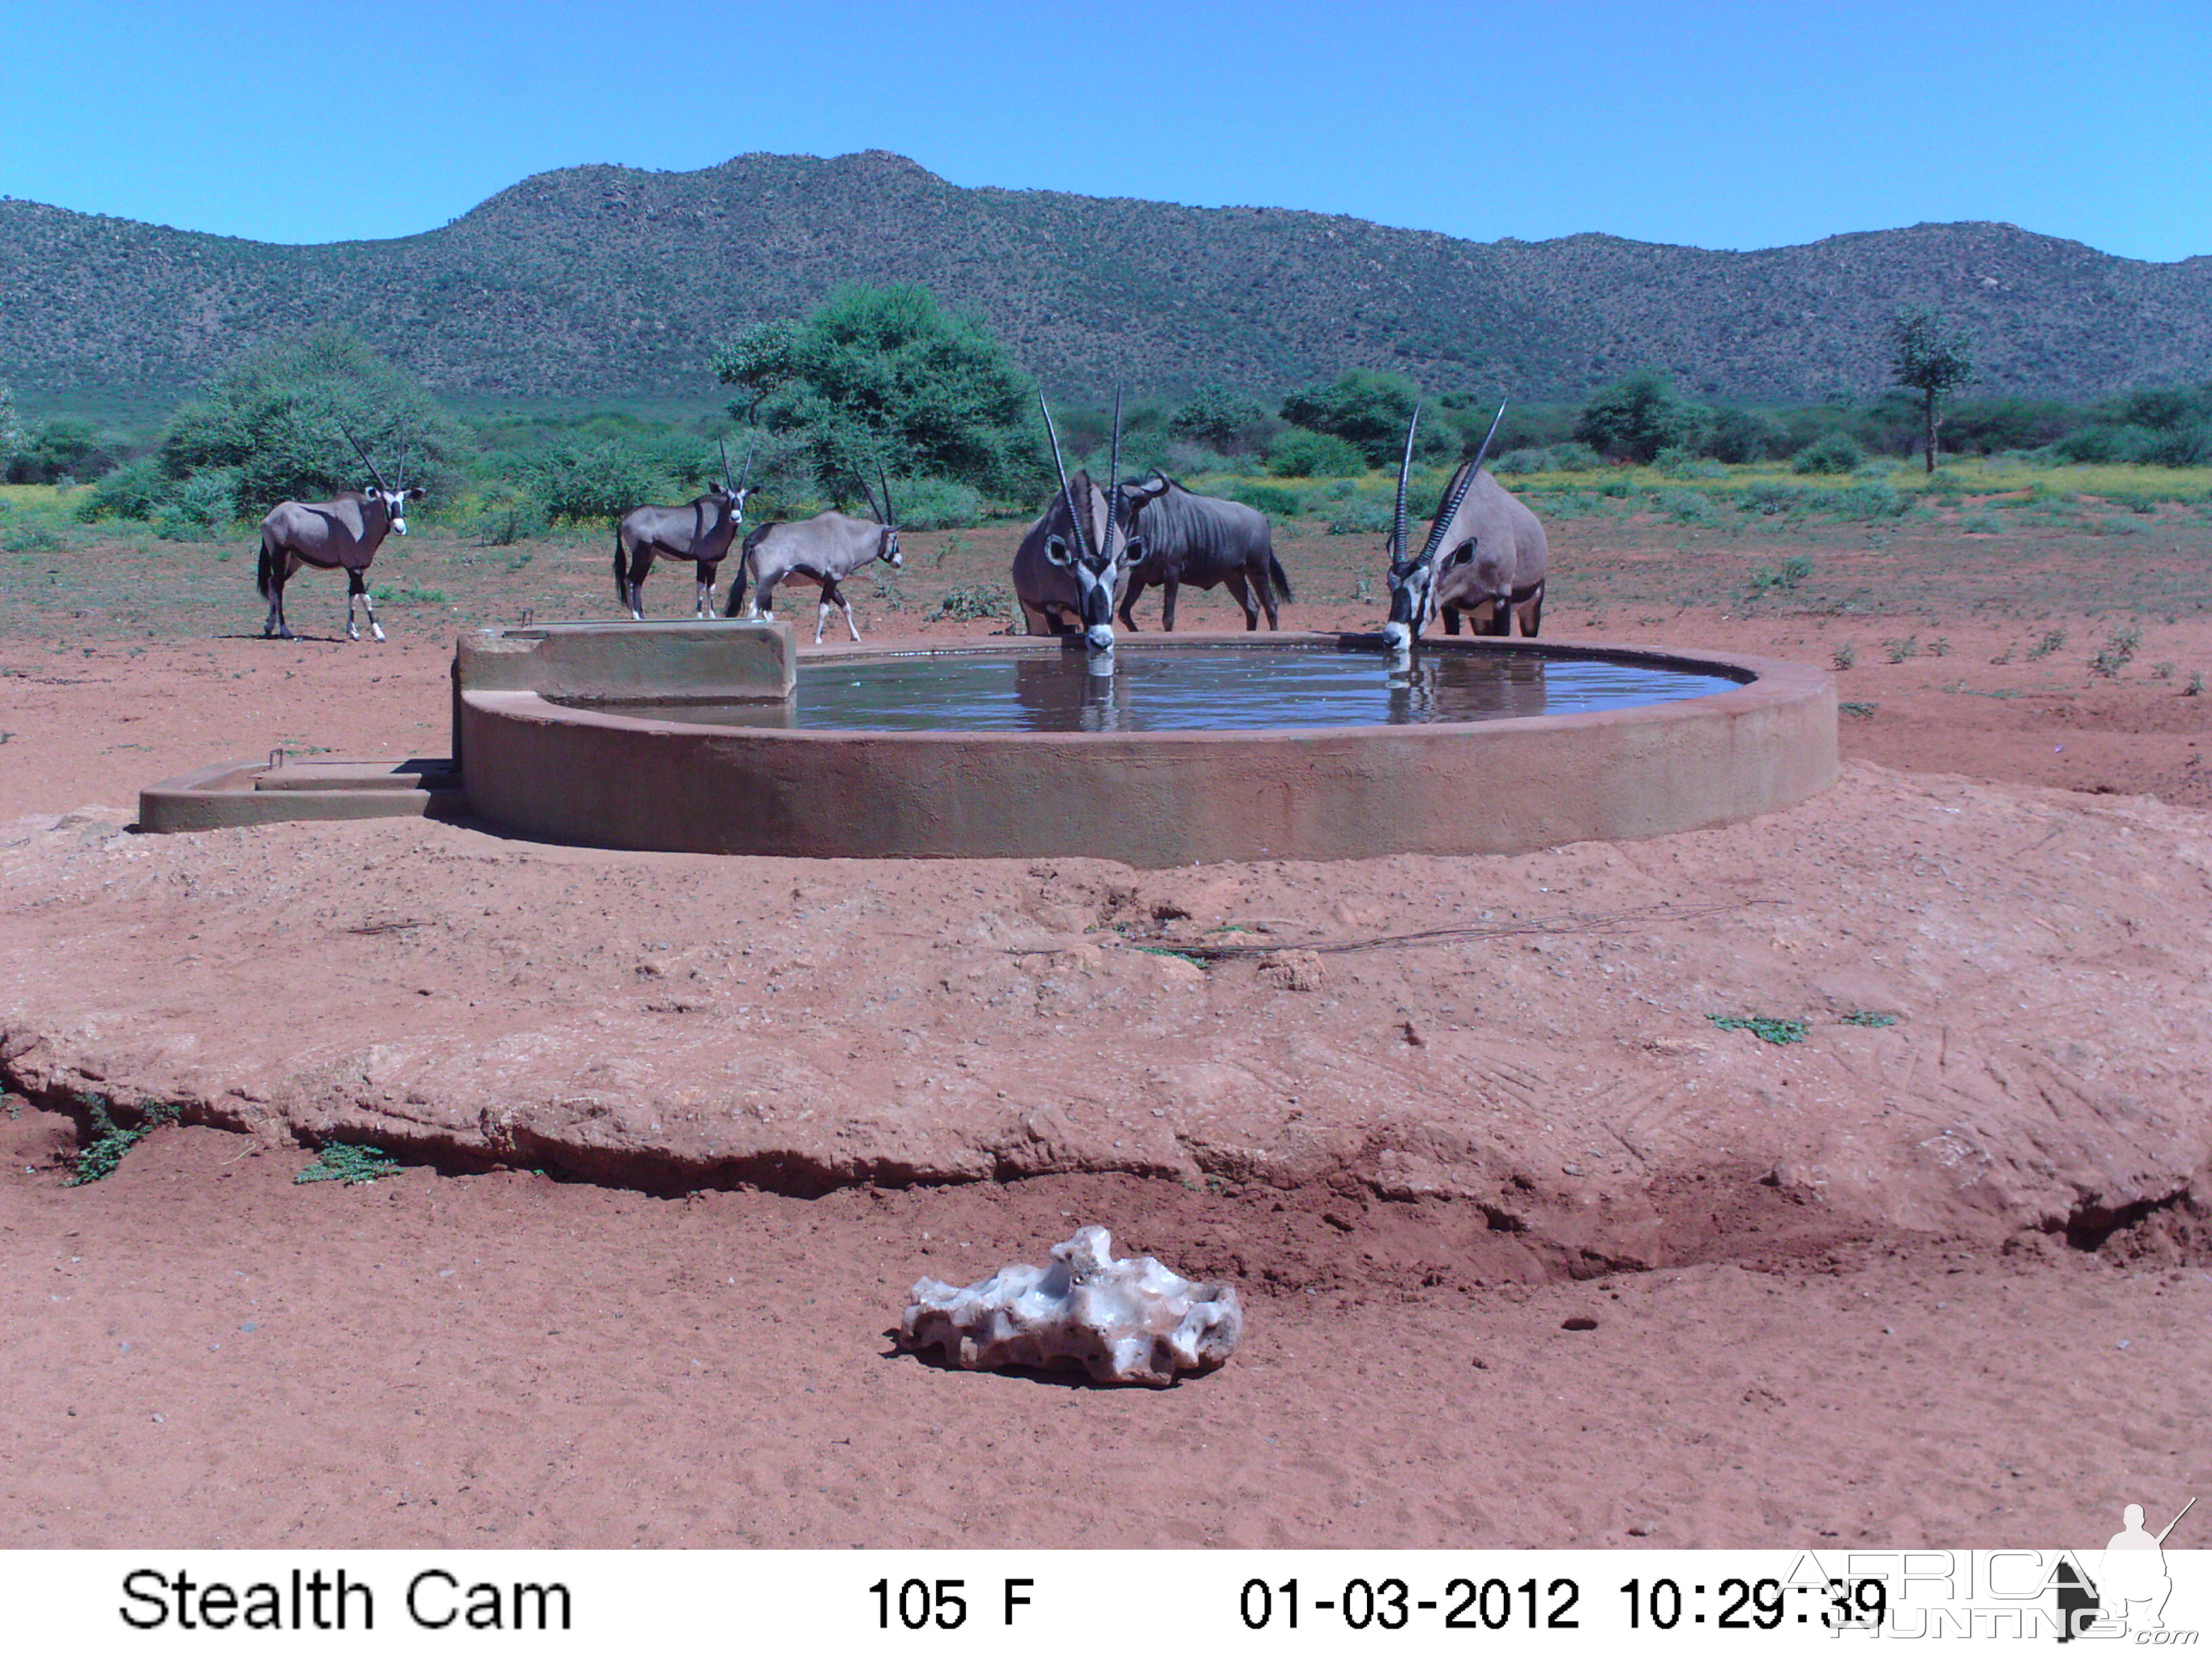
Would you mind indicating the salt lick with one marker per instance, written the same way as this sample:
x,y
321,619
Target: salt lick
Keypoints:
x,y
1127,1320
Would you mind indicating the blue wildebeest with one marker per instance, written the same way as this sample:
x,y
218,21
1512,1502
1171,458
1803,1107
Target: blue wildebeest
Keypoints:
x,y
342,534
700,531
1485,556
823,550
1070,568
1204,542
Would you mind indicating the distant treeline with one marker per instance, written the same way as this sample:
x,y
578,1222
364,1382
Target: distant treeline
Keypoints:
x,y
886,380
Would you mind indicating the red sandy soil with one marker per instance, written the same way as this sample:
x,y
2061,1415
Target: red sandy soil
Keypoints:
x,y
1833,1346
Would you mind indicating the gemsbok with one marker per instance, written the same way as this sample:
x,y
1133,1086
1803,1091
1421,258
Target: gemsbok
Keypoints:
x,y
823,550
341,534
699,531
1074,560
1485,557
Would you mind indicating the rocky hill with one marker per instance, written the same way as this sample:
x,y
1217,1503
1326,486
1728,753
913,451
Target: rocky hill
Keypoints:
x,y
605,282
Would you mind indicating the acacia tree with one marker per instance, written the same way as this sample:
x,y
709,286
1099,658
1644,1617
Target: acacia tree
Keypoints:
x,y
11,430
889,377
1930,358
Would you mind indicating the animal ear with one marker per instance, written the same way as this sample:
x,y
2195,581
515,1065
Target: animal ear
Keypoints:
x,y
415,493
1055,552
1133,550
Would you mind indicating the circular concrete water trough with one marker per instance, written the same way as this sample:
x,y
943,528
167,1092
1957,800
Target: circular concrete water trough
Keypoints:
x,y
651,747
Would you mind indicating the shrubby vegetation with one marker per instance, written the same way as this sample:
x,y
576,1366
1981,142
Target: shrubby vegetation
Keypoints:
x,y
1299,453
889,379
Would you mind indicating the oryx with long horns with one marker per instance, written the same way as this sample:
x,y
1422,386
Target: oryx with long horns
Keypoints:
x,y
1074,561
700,531
823,550
341,534
1485,556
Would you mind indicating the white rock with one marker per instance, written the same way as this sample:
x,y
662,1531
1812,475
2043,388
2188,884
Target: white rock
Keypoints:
x,y
1131,1321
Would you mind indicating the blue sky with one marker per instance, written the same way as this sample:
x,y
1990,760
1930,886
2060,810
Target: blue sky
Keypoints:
x,y
1720,126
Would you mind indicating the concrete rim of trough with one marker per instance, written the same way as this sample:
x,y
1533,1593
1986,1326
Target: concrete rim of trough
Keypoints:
x,y
598,776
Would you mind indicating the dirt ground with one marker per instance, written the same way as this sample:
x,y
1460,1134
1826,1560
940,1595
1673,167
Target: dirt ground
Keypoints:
x,y
1943,1281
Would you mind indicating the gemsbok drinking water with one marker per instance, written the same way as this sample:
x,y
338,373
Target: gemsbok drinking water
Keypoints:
x,y
1070,571
1485,556
342,534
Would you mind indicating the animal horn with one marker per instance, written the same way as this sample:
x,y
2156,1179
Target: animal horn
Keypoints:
x,y
1066,494
883,478
725,448
1405,467
1466,483
745,472
1114,490
365,461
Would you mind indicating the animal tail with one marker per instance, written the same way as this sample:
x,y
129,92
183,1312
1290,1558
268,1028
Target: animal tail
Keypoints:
x,y
622,588
264,573
1275,575
737,601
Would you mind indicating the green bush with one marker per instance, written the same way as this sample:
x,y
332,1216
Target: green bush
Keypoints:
x,y
936,504
1878,500
1521,460
1770,496
889,377
1364,512
1740,436
1575,457
1215,416
503,515
976,604
1635,418
1678,461
64,447
278,416
1685,505
1271,499
1836,453
138,490
598,482
203,504
1299,453
1369,409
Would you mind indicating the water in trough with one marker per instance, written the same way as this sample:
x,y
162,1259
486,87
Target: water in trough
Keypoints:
x,y
1185,689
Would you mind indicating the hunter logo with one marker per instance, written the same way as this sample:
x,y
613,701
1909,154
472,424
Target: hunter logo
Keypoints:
x,y
2128,1591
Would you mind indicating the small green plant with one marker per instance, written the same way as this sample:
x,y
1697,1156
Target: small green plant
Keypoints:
x,y
2003,658
410,595
1903,650
2049,643
892,595
1765,1027
1982,524
98,1158
1866,1017
975,604
2196,686
956,543
354,1165
1857,711
1940,647
1844,655
2162,671
2117,652
1766,578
